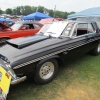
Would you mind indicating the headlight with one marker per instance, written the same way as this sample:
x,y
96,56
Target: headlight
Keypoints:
x,y
8,68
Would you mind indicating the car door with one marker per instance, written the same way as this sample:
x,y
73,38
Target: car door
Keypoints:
x,y
80,43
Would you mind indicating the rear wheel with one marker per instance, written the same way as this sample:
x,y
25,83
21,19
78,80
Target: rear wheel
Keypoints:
x,y
96,50
46,71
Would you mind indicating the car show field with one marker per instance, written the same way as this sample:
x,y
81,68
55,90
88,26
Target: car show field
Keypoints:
x,y
39,56
76,80
49,50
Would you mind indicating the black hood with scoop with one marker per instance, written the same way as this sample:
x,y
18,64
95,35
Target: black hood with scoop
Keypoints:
x,y
21,50
26,41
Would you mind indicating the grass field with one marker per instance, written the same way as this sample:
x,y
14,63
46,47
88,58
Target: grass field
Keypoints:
x,y
78,80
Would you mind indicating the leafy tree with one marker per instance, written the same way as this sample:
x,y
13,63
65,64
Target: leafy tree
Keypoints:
x,y
1,11
14,11
51,12
25,10
40,9
33,9
8,11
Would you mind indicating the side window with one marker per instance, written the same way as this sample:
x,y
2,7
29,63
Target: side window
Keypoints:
x,y
90,28
81,29
68,29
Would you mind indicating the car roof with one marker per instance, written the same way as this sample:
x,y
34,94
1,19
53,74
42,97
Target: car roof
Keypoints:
x,y
79,21
74,21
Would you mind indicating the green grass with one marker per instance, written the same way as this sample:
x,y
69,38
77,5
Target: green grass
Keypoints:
x,y
78,80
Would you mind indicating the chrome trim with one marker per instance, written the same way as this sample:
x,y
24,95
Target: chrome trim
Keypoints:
x,y
11,71
18,80
40,58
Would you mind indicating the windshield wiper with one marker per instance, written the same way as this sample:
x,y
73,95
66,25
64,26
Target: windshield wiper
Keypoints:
x,y
41,32
51,32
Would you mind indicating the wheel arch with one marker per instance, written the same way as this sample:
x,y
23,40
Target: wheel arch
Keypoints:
x,y
56,57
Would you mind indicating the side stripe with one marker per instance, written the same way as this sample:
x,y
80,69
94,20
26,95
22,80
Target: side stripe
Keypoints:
x,y
51,54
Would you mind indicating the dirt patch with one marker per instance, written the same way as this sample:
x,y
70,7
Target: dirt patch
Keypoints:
x,y
78,92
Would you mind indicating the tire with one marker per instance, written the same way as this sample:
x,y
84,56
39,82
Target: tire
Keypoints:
x,y
46,71
96,50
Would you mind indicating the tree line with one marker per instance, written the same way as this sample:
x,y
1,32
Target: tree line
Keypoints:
x,y
25,10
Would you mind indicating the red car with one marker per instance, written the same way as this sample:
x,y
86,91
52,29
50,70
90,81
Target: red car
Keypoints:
x,y
19,29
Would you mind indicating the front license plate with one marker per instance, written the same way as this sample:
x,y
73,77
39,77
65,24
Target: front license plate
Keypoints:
x,y
5,79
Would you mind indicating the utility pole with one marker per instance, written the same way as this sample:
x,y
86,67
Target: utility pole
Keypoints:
x,y
37,9
54,11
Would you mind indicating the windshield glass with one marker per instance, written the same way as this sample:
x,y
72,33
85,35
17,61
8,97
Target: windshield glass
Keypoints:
x,y
53,29
45,28
56,29
16,26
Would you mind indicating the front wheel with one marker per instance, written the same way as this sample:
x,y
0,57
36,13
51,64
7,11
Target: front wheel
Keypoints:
x,y
46,71
96,50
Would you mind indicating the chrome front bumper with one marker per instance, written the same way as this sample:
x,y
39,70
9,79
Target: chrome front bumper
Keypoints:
x,y
18,80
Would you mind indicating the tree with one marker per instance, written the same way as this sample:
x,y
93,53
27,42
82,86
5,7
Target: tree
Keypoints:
x,y
8,11
1,11
14,11
40,9
25,10
51,12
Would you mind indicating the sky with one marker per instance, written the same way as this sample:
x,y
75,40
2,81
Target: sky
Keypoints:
x,y
62,5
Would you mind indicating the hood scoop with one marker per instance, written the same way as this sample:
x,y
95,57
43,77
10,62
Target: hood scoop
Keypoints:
x,y
26,41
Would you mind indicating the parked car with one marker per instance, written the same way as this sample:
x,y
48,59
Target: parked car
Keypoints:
x,y
19,29
40,55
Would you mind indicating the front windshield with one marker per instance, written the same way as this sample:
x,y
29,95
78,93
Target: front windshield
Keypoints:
x,y
16,26
53,29
45,28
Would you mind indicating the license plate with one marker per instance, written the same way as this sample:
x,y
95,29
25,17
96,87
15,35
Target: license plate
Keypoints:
x,y
5,79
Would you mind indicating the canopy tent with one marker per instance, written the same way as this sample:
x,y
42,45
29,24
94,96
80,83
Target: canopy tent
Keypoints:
x,y
36,16
2,19
5,20
91,12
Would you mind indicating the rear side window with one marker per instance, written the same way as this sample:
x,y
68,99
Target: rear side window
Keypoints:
x,y
80,29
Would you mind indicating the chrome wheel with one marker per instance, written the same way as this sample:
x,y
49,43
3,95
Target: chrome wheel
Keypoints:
x,y
46,70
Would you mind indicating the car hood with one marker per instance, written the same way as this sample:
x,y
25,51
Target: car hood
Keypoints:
x,y
26,41
31,48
